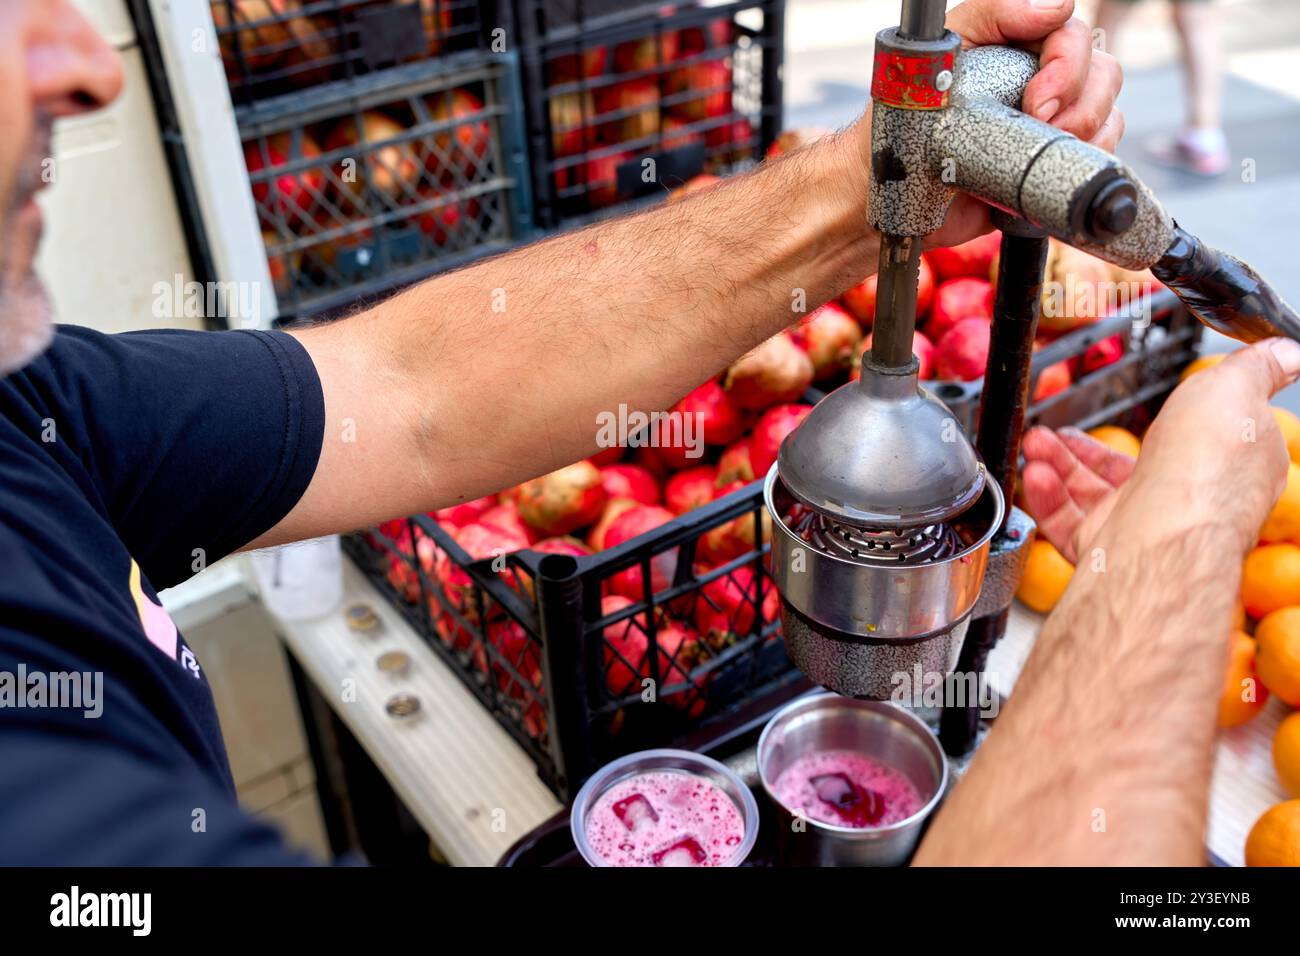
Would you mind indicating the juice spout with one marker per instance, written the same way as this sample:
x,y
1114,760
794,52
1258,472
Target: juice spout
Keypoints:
x,y
1223,292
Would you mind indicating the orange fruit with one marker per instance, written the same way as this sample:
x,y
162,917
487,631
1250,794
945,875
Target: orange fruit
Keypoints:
x,y
1270,579
1201,364
1243,695
1047,574
1117,439
1274,840
1277,653
1283,522
1286,754
1290,426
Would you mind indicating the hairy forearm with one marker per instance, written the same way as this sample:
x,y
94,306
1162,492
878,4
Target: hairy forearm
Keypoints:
x,y
485,377
1103,755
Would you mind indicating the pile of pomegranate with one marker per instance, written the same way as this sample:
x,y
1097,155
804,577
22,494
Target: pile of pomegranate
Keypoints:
x,y
608,500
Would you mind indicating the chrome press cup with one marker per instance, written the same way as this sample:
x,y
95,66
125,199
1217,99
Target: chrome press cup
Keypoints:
x,y
859,606
886,734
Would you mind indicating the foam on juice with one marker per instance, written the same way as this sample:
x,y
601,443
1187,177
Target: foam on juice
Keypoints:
x,y
846,789
665,818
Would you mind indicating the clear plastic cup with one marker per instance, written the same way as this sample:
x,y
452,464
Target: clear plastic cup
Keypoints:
x,y
649,761
301,581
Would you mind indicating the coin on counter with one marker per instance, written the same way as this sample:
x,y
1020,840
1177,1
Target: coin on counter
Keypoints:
x,y
403,706
394,663
362,618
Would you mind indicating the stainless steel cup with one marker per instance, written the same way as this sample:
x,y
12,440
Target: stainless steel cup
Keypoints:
x,y
877,729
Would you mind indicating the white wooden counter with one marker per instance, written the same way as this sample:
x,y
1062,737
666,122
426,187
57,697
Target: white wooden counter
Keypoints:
x,y
468,784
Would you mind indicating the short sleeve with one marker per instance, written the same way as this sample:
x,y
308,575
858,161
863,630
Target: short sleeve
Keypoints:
x,y
196,443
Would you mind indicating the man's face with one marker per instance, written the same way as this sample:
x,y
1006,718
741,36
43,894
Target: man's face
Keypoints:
x,y
52,65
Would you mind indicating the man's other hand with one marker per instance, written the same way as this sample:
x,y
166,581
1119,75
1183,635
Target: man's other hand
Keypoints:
x,y
1214,455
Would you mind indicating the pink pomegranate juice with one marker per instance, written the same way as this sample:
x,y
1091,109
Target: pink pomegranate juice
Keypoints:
x,y
665,818
846,789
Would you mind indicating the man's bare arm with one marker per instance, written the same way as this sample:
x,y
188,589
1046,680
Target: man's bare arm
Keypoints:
x,y
448,398
1104,753
488,376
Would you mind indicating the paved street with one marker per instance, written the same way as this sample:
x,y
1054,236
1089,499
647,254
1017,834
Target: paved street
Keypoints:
x,y
828,73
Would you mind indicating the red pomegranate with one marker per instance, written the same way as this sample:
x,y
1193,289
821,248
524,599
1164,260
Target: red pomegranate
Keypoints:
x,y
571,128
735,537
613,508
1052,381
505,517
630,481
770,431
378,158
639,99
607,456
679,653
716,416
480,542
695,40
734,464
860,300
565,500
973,258
959,299
630,524
829,335
724,608
777,371
467,512
647,53
690,488
294,192
625,647
922,348
472,135
564,544
565,69
963,353
1101,354
712,79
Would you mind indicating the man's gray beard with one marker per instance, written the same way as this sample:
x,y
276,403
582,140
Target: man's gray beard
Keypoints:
x,y
26,321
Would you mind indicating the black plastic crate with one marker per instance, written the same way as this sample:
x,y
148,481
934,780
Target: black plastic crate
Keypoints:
x,y
368,185
1155,342
271,48
562,667
692,88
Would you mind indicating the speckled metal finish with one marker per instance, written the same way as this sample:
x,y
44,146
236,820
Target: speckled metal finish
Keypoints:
x,y
906,200
866,668
1007,557
988,146
983,145
1000,73
1145,242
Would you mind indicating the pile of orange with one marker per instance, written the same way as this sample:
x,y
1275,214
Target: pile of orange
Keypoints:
x,y
1264,645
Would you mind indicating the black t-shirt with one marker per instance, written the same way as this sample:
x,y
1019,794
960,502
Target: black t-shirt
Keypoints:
x,y
128,462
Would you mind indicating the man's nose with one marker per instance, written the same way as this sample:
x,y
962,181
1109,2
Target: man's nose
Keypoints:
x,y
70,67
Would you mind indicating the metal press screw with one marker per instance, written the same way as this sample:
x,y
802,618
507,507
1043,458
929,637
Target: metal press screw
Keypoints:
x,y
943,81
